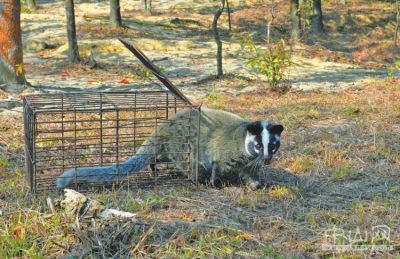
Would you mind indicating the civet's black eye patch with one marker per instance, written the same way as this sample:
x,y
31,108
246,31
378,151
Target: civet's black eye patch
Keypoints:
x,y
275,129
274,144
255,128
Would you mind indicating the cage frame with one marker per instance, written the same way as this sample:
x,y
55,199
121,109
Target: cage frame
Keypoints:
x,y
32,113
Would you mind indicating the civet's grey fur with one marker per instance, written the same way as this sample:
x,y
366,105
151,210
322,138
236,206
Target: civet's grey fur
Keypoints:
x,y
232,150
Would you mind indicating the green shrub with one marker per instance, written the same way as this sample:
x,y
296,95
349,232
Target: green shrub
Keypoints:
x,y
270,62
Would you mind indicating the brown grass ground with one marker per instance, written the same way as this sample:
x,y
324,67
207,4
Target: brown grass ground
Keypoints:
x,y
342,145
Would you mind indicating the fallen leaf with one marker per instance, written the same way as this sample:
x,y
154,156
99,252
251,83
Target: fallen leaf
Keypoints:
x,y
124,81
64,73
180,241
19,232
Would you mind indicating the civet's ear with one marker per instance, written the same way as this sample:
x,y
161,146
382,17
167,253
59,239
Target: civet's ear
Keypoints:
x,y
255,128
275,129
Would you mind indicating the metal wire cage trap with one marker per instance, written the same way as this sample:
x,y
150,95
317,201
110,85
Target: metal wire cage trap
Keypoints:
x,y
64,131
74,130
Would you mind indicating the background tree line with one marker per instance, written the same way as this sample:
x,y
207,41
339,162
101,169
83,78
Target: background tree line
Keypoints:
x,y
11,57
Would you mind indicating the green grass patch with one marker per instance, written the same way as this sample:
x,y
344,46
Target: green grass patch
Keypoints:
x,y
31,234
346,173
4,163
219,242
350,110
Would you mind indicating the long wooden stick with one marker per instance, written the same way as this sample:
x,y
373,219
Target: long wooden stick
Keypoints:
x,y
155,70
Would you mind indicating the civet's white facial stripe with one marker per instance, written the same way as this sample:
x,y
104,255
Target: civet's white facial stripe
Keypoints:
x,y
265,138
249,138
262,139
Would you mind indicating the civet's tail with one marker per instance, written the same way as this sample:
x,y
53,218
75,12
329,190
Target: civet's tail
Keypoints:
x,y
135,164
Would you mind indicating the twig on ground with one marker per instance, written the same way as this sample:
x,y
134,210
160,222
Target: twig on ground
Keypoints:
x,y
168,241
142,239
50,204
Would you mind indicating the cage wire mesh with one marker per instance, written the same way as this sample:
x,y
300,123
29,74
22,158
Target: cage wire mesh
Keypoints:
x,y
74,130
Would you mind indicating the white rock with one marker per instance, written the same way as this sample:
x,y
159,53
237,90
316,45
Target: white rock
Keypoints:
x,y
112,213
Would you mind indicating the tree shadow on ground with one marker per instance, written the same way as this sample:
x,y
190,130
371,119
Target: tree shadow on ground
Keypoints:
x,y
335,75
321,192
97,88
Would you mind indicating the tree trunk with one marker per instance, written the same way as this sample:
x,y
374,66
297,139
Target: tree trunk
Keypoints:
x,y
317,25
269,24
396,30
73,53
295,19
11,57
228,9
146,4
115,14
218,39
31,5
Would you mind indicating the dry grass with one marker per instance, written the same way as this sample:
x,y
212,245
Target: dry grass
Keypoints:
x,y
343,146
347,163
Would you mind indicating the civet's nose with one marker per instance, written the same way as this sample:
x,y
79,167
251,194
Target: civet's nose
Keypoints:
x,y
267,158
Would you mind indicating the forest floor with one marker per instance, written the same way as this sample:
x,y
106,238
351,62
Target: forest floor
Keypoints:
x,y
342,120
185,48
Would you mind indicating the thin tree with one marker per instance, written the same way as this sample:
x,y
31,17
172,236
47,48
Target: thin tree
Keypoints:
x,y
295,19
147,4
31,4
228,10
317,25
218,38
73,53
396,31
270,21
115,14
11,56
